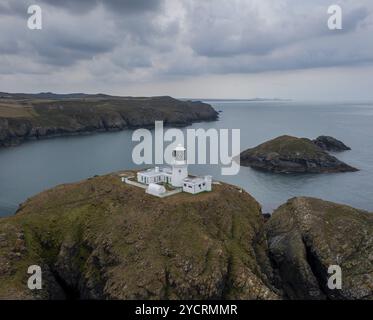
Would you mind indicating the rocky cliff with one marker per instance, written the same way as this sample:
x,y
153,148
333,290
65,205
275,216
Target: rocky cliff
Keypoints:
x,y
287,154
23,118
103,239
306,236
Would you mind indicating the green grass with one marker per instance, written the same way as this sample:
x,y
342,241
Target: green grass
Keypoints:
x,y
287,145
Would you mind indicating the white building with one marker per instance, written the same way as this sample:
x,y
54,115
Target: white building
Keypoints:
x,y
155,189
175,176
155,175
196,185
179,166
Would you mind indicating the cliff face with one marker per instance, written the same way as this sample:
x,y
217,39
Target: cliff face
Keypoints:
x,y
102,239
307,235
288,154
22,120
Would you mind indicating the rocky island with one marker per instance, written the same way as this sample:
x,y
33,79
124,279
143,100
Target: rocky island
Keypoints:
x,y
287,154
103,239
27,116
330,144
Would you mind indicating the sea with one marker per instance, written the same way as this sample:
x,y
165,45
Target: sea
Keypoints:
x,y
35,166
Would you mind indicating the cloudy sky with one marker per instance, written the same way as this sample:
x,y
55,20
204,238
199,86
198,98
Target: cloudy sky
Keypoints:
x,y
189,48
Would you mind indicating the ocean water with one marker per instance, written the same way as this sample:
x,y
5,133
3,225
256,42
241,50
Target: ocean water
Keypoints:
x,y
35,166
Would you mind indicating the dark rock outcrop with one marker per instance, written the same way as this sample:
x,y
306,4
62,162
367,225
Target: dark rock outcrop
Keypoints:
x,y
288,154
103,239
306,236
330,144
35,119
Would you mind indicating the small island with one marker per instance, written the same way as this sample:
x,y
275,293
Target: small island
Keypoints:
x,y
287,154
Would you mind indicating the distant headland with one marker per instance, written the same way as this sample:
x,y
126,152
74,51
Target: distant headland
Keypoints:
x,y
239,100
25,116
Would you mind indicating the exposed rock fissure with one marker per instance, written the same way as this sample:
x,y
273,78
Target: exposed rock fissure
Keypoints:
x,y
70,292
316,268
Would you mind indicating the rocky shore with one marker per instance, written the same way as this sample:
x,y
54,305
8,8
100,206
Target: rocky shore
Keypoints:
x,y
102,239
26,117
287,154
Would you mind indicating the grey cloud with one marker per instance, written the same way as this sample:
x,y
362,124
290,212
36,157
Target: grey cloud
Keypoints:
x,y
91,31
288,38
228,36
354,18
9,46
134,6
117,6
199,37
14,7
76,7
131,58
79,7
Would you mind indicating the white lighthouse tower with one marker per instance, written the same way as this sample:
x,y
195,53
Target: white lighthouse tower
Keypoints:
x,y
179,166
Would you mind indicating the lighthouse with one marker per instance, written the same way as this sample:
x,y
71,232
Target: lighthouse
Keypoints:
x,y
157,180
179,166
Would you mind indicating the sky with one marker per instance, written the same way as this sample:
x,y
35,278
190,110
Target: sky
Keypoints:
x,y
189,48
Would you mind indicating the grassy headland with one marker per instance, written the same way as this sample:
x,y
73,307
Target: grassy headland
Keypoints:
x,y
24,117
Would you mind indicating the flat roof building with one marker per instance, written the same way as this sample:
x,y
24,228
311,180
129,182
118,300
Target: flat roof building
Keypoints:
x,y
175,176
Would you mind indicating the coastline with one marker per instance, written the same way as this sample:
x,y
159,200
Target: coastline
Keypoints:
x,y
39,119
